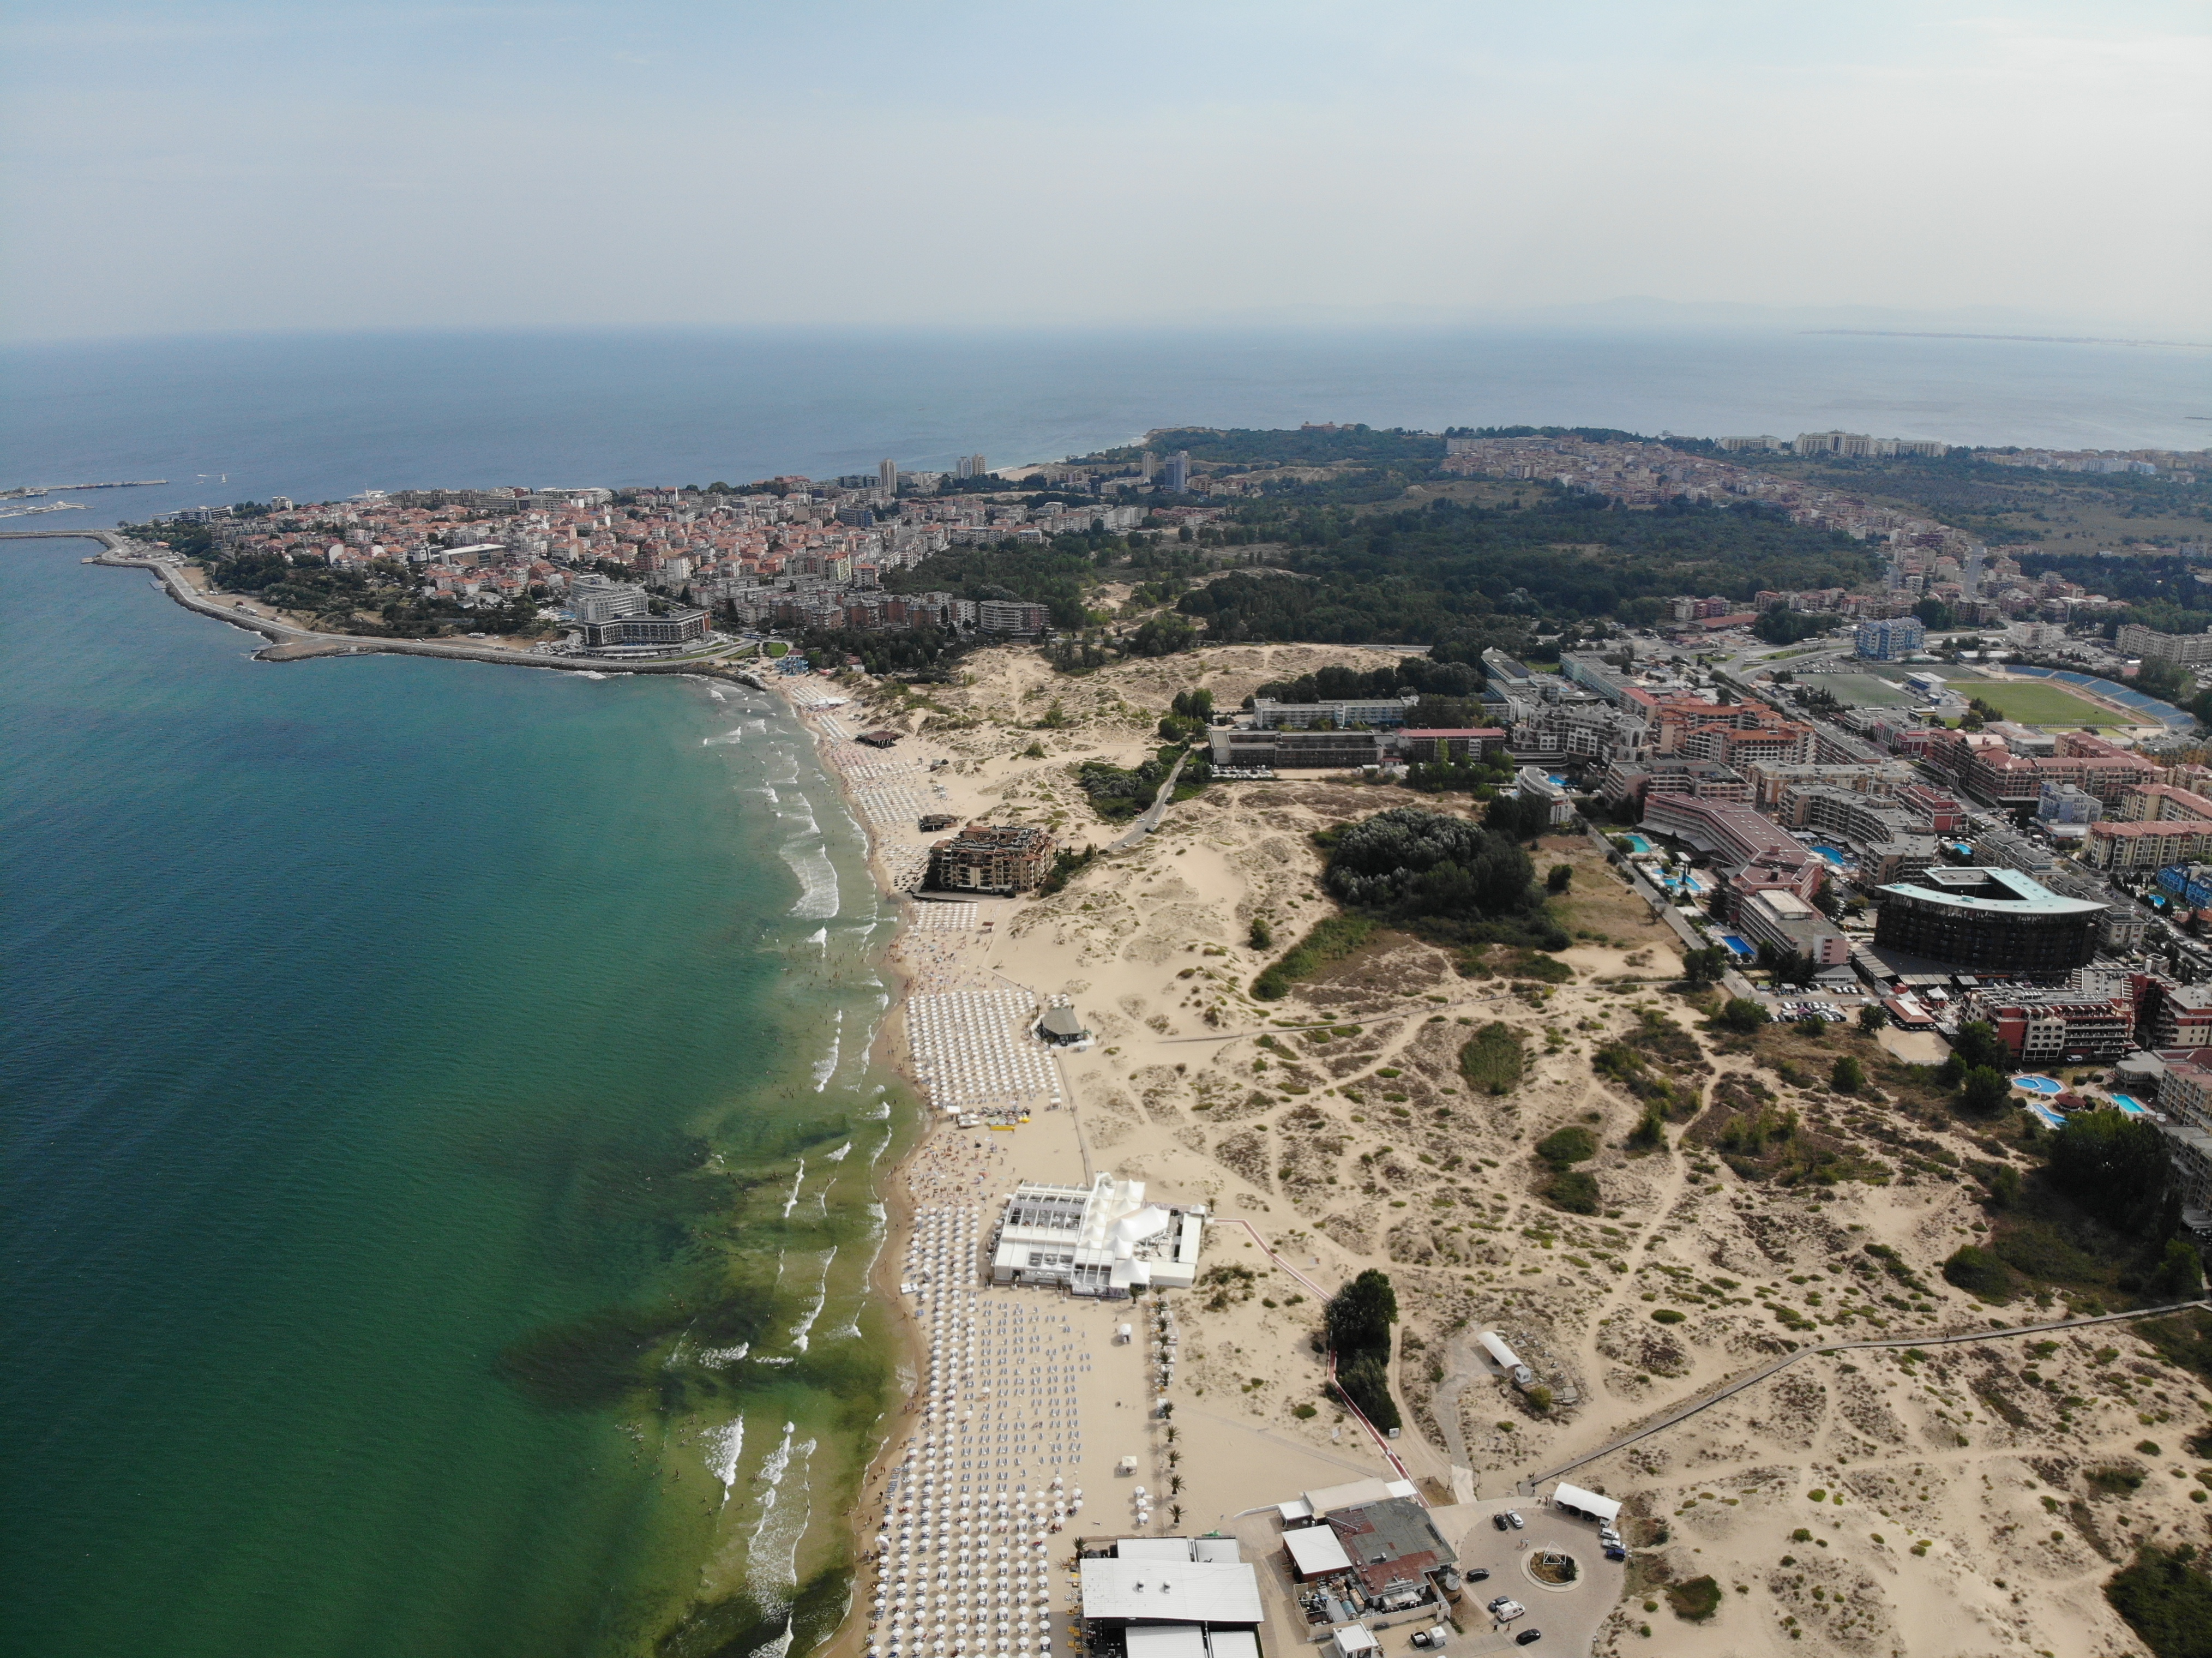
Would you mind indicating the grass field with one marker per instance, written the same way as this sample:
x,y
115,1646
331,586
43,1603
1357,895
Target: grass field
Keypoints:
x,y
2035,705
1861,690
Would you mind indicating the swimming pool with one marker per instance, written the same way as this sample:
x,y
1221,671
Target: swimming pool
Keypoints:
x,y
2130,1104
1638,843
1833,854
2049,1118
1738,948
1558,781
2039,1085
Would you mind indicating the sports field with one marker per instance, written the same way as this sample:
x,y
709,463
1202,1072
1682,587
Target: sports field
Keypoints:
x,y
2033,704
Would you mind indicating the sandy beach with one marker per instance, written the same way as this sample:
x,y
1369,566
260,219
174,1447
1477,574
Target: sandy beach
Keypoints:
x,y
1970,1499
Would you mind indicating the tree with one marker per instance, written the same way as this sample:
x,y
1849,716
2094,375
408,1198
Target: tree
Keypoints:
x,y
1978,1272
2114,1166
1262,936
1873,1016
1985,1090
2179,1275
1741,1015
1977,1044
1560,877
1705,967
1846,1076
1360,1315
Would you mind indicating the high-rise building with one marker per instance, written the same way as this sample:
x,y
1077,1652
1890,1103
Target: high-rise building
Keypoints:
x,y
1891,639
1177,478
887,477
978,467
1148,465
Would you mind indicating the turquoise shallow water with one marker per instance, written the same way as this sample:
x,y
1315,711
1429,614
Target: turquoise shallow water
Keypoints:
x,y
419,1095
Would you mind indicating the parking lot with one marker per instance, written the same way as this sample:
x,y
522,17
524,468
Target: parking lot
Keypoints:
x,y
1566,1617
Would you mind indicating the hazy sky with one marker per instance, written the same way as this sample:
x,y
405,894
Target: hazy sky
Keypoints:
x,y
325,163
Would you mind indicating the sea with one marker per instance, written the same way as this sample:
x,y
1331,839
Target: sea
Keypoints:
x,y
442,1117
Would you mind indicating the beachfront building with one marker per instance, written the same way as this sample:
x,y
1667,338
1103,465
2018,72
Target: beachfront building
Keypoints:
x,y
1169,1597
643,634
1102,1239
1010,857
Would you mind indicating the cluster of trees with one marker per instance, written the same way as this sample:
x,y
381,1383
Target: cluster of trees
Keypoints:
x,y
1356,1332
1441,875
1055,574
1431,572
379,601
1785,627
922,654
2113,1167
1118,795
1188,716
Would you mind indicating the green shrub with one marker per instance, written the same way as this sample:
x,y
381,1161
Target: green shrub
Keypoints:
x,y
1494,1061
2167,1599
1696,1600
1574,1190
1666,1315
1846,1076
1978,1272
1332,941
1562,1146
1262,936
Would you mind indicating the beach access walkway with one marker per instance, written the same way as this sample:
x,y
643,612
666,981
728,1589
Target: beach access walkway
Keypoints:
x,y
1528,1483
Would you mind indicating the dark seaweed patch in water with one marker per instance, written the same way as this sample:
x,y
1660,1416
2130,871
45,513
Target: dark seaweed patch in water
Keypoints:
x,y
739,1626
612,1357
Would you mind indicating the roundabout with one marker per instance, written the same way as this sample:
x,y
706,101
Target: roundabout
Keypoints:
x,y
1553,1571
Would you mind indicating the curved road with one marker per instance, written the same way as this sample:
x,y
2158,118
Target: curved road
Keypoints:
x,y
1150,818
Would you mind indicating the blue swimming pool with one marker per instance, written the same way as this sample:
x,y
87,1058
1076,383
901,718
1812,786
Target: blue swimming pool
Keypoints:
x,y
1737,948
1638,843
1834,855
2045,1115
2130,1104
2039,1085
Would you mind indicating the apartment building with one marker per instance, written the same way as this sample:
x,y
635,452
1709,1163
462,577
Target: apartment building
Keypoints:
x,y
2185,650
1009,858
2057,1027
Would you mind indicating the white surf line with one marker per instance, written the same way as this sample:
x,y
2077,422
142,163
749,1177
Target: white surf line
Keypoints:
x,y
791,1202
801,1331
725,1445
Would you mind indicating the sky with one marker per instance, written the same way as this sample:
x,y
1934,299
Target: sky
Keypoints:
x,y
336,164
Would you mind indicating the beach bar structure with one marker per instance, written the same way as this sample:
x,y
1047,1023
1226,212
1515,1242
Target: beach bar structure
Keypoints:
x,y
1171,1597
1099,1240
1588,1504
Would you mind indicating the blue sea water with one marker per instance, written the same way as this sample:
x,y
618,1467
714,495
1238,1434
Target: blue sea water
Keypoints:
x,y
402,1048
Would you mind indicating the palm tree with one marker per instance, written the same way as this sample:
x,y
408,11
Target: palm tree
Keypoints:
x,y
1175,1515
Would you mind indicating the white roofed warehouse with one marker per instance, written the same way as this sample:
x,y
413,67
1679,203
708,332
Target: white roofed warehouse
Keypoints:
x,y
1099,1240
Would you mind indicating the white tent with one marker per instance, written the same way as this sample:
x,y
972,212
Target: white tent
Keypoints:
x,y
1589,1503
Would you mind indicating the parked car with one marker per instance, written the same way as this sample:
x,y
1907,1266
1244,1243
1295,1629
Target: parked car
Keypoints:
x,y
1479,1575
1527,1637
1513,1518
1431,1640
1501,1523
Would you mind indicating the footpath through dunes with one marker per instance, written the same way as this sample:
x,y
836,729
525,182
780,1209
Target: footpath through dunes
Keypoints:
x,y
1369,1118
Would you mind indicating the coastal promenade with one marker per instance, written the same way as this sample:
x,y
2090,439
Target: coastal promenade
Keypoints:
x,y
288,642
